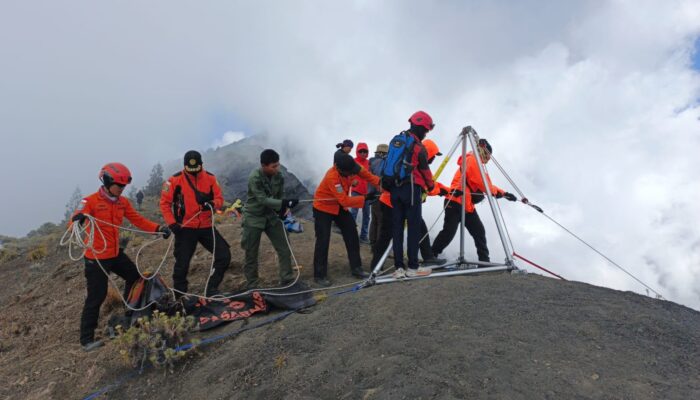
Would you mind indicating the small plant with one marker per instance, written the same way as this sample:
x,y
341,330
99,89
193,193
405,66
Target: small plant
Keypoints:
x,y
8,253
38,253
156,340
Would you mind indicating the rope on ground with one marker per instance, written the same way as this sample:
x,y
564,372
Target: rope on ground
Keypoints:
x,y
537,266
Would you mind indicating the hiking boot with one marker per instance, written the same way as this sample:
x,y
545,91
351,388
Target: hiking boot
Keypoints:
x,y
358,273
400,273
434,261
213,292
364,241
323,282
95,344
422,271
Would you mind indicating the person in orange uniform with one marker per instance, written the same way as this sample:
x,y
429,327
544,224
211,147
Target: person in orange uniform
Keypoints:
x,y
331,204
360,189
186,202
385,226
472,222
108,208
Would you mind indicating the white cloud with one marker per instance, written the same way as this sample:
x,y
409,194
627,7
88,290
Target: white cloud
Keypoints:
x,y
592,107
228,138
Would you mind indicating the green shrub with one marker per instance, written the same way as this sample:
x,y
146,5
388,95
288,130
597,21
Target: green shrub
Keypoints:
x,y
38,253
154,340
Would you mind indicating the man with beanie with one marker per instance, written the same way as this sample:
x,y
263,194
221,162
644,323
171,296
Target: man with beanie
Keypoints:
x,y
331,203
465,202
262,213
187,202
360,189
376,165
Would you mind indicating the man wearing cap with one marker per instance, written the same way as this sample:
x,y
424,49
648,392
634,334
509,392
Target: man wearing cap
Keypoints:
x,y
454,204
376,165
187,202
331,204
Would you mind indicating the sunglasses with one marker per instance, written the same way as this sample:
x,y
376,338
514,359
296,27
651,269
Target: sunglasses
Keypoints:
x,y
364,151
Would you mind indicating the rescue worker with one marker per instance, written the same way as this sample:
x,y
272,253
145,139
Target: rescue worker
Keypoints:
x,y
360,189
376,164
406,198
460,202
262,213
109,208
187,202
385,233
331,203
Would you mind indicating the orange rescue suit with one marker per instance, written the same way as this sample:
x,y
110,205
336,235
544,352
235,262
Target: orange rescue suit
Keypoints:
x,y
104,208
177,189
474,183
332,193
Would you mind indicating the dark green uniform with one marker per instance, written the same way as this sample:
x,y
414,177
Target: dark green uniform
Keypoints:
x,y
260,215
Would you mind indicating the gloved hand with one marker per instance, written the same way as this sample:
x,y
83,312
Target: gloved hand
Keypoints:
x,y
510,196
165,231
282,214
79,218
290,203
371,196
457,193
175,228
443,192
206,205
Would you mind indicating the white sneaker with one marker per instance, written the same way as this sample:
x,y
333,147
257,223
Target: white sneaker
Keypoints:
x,y
422,271
400,273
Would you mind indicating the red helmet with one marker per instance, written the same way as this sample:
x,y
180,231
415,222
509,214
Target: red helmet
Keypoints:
x,y
115,173
421,118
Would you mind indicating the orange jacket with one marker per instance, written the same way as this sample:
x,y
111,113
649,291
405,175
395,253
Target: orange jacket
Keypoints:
x,y
179,197
386,196
113,211
333,191
474,183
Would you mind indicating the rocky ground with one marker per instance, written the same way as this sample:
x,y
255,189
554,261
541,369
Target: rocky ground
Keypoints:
x,y
491,336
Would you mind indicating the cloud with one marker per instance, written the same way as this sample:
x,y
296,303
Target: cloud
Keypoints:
x,y
592,107
228,138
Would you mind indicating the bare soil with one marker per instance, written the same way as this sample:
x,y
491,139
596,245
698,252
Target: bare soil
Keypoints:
x,y
490,336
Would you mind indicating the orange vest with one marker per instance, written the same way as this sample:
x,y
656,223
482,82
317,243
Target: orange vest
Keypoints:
x,y
474,183
177,186
100,206
333,191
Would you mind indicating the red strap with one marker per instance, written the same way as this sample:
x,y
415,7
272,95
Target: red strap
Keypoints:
x,y
538,266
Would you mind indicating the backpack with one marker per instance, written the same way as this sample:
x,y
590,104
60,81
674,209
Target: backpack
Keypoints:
x,y
397,165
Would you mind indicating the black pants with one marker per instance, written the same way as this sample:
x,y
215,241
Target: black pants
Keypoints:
x,y
97,283
322,225
185,245
375,221
407,206
385,234
473,224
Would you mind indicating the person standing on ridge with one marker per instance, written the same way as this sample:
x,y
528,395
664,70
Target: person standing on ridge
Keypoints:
x,y
386,225
360,189
406,192
108,208
454,207
139,198
187,202
331,203
262,213
376,164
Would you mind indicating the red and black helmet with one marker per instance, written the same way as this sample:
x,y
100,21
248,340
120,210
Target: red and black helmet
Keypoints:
x,y
421,118
115,173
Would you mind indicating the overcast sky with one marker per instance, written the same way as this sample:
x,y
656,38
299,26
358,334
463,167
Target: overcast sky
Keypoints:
x,y
591,106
